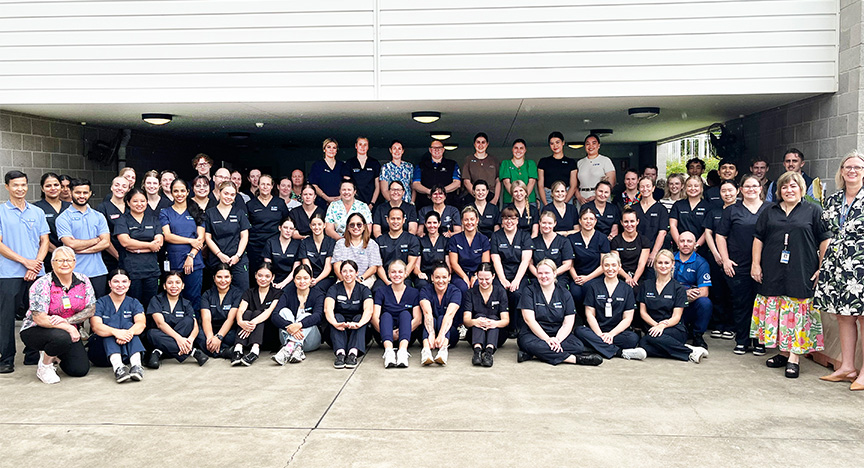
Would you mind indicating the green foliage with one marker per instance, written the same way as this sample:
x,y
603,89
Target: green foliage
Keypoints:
x,y
681,166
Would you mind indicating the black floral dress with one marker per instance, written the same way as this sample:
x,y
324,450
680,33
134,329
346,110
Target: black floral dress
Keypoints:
x,y
841,278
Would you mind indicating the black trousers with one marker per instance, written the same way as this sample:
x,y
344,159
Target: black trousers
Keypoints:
x,y
58,343
347,339
161,341
624,340
485,338
100,285
742,305
14,301
533,345
668,345
143,289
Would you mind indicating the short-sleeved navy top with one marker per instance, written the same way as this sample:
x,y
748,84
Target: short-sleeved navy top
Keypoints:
x,y
301,221
489,218
282,259
527,218
470,254
629,252
548,314
144,264
219,308
432,254
490,309
404,246
349,305
386,298
225,231
409,213
439,308
653,221
610,216
586,256
449,217
510,252
738,226
182,309
565,222
621,300
690,219
264,219
318,257
559,250
661,304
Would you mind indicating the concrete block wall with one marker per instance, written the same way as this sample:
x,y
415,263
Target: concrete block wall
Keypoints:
x,y
35,145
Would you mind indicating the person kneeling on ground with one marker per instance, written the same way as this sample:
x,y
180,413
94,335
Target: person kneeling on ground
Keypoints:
x,y
176,331
549,315
116,326
609,308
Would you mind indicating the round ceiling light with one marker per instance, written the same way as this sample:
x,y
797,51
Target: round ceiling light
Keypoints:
x,y
575,144
440,135
426,117
157,119
451,146
601,131
644,112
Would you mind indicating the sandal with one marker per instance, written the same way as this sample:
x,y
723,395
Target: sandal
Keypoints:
x,y
777,361
792,370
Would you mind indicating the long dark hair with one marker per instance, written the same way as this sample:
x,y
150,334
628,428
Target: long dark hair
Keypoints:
x,y
192,207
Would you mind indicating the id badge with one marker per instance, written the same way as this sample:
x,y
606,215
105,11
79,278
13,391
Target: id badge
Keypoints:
x,y
167,266
67,304
608,311
784,257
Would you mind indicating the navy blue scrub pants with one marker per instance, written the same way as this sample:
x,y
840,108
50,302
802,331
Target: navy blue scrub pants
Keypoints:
x,y
56,342
161,341
403,321
144,289
452,334
461,284
325,284
227,342
343,340
240,274
742,305
668,345
533,345
14,300
513,303
100,349
625,340
100,285
698,314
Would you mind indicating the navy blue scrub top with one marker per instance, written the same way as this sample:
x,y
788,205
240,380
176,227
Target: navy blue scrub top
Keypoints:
x,y
164,202
622,299
326,179
51,218
364,177
568,221
559,250
527,218
653,221
432,254
660,305
712,219
402,247
470,255
489,218
225,231
449,218
510,253
690,219
610,216
492,309
439,308
386,298
712,197
379,216
183,225
314,306
349,306
264,220
122,317
586,258
182,309
549,315
283,260
301,221
318,258
219,309
145,264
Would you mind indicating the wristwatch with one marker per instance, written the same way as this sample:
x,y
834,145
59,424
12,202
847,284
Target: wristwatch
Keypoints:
x,y
219,335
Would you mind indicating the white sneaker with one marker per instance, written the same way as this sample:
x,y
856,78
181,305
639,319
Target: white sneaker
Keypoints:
x,y
298,355
402,358
389,358
46,373
697,353
463,332
426,356
282,356
634,353
441,358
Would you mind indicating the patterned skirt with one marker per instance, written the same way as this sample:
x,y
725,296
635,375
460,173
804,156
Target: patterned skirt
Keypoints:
x,y
787,323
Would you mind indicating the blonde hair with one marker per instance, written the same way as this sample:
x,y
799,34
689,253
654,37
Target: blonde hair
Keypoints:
x,y
678,176
838,178
548,262
665,253
556,184
125,170
520,184
548,214
328,141
701,187
787,177
613,254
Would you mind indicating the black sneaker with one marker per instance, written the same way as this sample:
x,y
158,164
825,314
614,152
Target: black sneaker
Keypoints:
x,y
154,361
121,374
237,358
486,359
477,359
200,357
137,373
350,361
698,341
339,362
759,350
740,349
249,358
522,356
226,353
589,359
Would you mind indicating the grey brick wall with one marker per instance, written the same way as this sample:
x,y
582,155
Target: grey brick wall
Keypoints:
x,y
35,145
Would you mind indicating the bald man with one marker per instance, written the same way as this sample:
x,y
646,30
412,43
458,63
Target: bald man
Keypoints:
x,y
694,273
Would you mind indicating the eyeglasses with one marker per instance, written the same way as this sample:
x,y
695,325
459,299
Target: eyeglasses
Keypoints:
x,y
63,260
397,189
436,148
202,164
854,168
354,225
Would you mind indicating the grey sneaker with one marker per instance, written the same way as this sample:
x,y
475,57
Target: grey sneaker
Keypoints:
x,y
282,356
121,374
137,373
634,353
297,355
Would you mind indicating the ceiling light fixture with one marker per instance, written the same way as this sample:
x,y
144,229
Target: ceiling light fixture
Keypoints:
x,y
644,112
426,117
157,119
259,124
575,144
238,135
451,146
440,135
601,131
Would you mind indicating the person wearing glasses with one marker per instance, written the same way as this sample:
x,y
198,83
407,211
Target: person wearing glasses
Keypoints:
x,y
357,246
202,165
842,274
436,170
395,198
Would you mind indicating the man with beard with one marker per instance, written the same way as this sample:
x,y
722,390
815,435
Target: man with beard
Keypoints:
x,y
85,231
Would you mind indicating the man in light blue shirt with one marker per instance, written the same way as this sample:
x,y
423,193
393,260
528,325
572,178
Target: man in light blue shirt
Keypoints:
x,y
85,230
23,247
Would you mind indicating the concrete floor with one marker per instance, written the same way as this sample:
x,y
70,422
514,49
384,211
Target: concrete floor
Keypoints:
x,y
728,411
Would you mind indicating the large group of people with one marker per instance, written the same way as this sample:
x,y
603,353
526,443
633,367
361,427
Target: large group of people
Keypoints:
x,y
556,255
